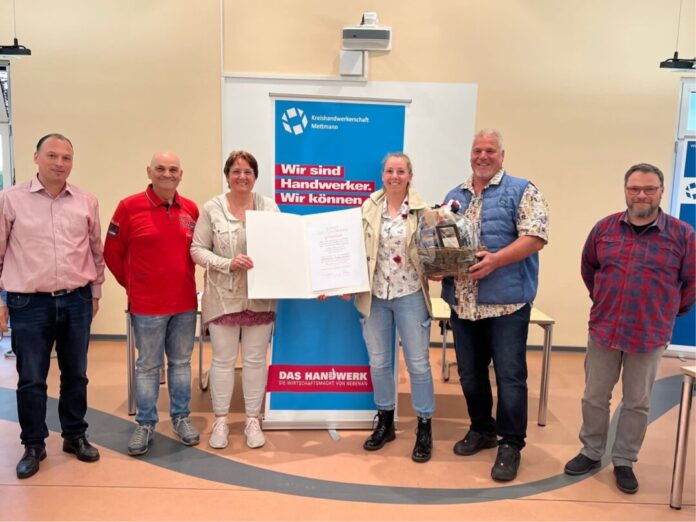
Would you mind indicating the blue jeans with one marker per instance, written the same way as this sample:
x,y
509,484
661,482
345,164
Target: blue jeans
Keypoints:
x,y
156,335
39,320
413,324
503,339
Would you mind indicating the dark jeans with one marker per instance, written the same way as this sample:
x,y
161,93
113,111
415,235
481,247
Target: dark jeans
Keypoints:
x,y
39,320
503,339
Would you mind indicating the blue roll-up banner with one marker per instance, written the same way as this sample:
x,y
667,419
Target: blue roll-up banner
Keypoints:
x,y
328,157
683,206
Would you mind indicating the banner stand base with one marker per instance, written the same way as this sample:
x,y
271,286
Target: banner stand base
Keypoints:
x,y
318,424
320,420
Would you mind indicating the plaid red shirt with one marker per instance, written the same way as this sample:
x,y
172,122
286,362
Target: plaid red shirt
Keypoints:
x,y
638,283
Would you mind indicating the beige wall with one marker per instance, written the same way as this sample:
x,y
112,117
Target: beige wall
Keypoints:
x,y
574,85
122,79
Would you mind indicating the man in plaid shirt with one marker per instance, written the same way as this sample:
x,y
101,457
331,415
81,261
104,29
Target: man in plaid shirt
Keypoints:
x,y
639,268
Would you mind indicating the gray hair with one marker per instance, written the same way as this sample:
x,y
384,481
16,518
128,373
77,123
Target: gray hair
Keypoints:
x,y
647,168
491,132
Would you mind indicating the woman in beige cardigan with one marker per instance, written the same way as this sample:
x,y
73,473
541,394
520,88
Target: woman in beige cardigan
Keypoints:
x,y
219,244
398,297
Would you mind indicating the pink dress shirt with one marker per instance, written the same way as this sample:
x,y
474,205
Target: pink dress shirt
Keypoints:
x,y
49,244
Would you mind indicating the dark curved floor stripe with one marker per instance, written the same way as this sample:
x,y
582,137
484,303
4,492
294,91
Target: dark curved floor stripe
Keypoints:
x,y
113,432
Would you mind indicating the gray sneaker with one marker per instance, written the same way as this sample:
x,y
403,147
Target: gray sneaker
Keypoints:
x,y
184,428
140,440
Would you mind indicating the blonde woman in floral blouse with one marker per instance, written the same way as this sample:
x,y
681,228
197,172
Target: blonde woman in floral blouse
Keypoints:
x,y
234,320
399,296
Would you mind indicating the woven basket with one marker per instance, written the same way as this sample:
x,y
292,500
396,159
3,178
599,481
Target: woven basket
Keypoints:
x,y
446,261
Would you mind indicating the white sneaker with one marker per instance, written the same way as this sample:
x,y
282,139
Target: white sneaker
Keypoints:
x,y
252,432
220,434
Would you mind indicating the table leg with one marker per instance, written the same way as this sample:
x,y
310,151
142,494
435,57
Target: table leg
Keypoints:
x,y
130,341
545,370
445,365
675,499
202,376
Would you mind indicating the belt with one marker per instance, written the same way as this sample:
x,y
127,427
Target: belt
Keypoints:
x,y
57,293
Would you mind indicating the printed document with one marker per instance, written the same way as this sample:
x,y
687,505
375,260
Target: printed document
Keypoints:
x,y
305,256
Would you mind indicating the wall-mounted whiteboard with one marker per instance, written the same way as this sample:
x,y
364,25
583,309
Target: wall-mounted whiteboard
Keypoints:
x,y
440,123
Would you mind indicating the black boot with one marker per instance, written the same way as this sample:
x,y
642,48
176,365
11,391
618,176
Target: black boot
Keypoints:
x,y
384,431
423,449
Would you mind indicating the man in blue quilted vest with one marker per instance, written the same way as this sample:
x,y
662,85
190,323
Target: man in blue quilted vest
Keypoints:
x,y
492,304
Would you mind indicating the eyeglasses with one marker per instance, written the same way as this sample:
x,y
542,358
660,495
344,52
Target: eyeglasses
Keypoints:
x,y
649,191
239,172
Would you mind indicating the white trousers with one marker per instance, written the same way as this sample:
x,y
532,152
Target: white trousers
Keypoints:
x,y
226,342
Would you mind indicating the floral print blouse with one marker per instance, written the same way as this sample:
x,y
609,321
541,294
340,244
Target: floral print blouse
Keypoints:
x,y
395,276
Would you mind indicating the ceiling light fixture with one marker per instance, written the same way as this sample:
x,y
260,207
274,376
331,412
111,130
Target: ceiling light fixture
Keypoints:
x,y
14,50
675,62
678,63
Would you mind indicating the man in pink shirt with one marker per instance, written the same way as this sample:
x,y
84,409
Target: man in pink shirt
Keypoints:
x,y
52,267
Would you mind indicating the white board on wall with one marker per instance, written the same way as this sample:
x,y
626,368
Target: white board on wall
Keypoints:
x,y
440,123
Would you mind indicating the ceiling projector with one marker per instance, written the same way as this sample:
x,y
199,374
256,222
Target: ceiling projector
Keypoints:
x,y
367,36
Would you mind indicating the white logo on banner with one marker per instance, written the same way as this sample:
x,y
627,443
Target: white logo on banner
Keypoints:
x,y
691,190
687,194
294,121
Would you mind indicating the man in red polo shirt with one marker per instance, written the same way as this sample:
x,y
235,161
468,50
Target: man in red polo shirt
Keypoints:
x,y
147,250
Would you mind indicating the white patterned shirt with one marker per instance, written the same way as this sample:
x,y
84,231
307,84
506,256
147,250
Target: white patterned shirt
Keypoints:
x,y
395,275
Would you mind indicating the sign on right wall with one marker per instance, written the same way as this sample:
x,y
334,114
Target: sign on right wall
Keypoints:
x,y
683,204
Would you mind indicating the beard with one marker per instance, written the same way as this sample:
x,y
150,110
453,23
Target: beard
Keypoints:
x,y
642,210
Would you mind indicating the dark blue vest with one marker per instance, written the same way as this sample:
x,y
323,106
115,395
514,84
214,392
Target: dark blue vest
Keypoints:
x,y
513,283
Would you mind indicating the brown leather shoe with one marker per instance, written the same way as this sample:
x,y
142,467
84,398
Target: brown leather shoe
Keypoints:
x,y
28,465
